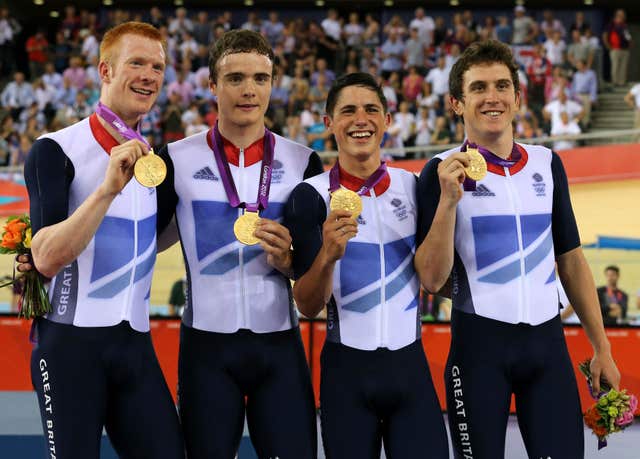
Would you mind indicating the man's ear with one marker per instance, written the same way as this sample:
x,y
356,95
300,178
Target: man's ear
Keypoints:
x,y
456,105
328,123
104,70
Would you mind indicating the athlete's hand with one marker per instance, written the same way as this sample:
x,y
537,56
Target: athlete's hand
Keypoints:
x,y
25,263
276,242
603,367
451,175
121,162
337,229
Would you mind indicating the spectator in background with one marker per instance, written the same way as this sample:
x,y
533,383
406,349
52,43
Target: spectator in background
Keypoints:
x,y
425,26
371,33
331,25
565,126
411,86
316,132
524,28
632,98
17,95
202,28
441,134
61,52
353,32
392,52
178,297
76,73
613,301
584,87
556,48
538,71
504,31
415,51
438,77
553,109
253,22
549,25
424,125
580,24
37,47
180,23
9,29
273,28
617,39
579,50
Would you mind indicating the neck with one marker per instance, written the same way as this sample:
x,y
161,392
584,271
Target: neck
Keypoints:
x,y
501,146
361,168
241,136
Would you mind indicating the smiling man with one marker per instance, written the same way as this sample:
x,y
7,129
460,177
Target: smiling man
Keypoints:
x,y
240,345
495,253
375,380
94,228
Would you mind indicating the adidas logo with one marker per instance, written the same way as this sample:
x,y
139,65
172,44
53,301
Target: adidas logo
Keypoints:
x,y
205,174
482,190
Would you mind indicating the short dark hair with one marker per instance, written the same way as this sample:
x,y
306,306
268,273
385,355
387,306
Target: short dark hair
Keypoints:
x,y
365,80
613,268
482,53
237,41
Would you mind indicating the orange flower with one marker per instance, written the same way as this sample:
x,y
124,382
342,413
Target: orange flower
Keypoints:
x,y
591,417
13,234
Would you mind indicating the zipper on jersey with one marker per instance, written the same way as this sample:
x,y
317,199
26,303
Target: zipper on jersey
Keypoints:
x,y
383,334
244,319
523,313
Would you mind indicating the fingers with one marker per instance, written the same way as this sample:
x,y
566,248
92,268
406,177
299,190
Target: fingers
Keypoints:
x,y
128,153
274,237
340,224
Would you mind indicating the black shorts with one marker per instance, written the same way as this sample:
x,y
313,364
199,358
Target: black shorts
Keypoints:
x,y
87,378
223,375
488,361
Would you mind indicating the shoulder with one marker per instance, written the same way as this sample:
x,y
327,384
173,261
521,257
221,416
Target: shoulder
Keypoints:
x,y
193,141
291,146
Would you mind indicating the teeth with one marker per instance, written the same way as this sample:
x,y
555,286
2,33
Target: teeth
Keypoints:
x,y
493,113
142,91
360,134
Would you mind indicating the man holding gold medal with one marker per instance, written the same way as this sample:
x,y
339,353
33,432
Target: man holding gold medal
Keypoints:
x,y
353,231
240,346
93,365
494,219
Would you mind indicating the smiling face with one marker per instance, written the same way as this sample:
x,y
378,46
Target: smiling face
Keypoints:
x,y
358,123
243,88
132,78
489,103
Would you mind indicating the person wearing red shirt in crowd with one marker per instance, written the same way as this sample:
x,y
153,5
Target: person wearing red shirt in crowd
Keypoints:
x,y
538,71
617,39
36,47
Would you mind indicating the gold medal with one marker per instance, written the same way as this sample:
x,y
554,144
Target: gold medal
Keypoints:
x,y
343,199
244,227
477,168
150,170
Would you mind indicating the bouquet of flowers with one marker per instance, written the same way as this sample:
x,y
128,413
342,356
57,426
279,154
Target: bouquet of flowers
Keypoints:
x,y
613,410
16,239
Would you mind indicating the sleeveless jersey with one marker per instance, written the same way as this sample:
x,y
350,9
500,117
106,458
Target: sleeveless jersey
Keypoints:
x,y
504,261
111,279
231,286
375,286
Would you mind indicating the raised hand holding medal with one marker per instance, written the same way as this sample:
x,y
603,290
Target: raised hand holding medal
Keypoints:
x,y
345,199
479,158
149,170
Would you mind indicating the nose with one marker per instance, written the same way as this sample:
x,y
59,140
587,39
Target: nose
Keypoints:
x,y
492,93
249,87
361,116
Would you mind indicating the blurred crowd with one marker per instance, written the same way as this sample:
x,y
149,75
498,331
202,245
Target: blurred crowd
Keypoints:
x,y
561,68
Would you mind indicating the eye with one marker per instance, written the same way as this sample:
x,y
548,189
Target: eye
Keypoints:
x,y
263,79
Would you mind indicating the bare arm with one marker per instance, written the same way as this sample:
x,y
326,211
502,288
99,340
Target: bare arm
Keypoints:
x,y
577,280
55,246
313,290
434,256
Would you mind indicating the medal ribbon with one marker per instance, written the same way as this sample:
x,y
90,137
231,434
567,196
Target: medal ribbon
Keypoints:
x,y
227,179
116,122
373,180
489,157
